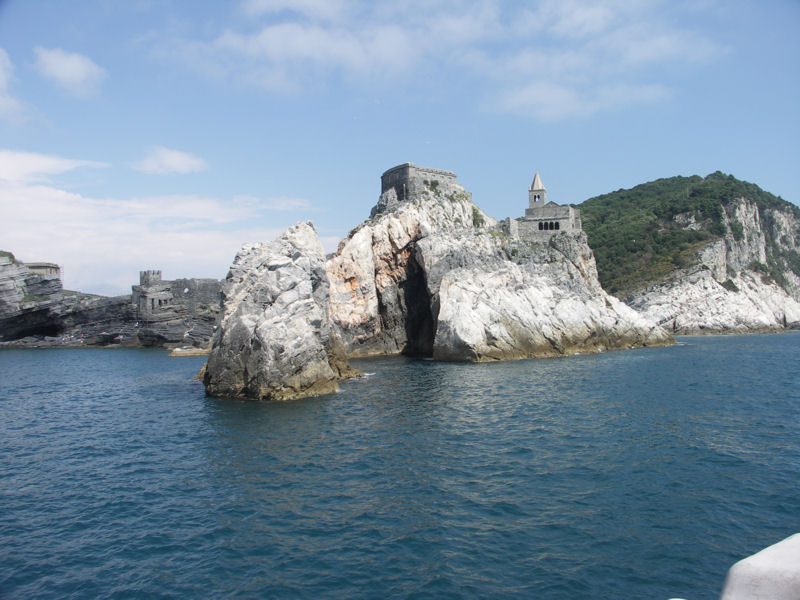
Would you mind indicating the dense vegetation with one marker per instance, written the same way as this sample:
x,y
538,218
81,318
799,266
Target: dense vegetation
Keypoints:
x,y
636,239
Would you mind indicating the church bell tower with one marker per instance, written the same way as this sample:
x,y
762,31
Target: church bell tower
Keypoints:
x,y
536,193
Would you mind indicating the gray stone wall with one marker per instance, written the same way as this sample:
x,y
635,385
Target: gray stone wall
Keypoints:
x,y
174,312
408,181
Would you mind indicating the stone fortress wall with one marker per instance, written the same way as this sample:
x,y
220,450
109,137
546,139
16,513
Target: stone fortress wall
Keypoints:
x,y
154,297
408,181
542,219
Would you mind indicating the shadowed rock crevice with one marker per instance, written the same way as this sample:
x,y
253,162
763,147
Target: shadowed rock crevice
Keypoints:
x,y
419,321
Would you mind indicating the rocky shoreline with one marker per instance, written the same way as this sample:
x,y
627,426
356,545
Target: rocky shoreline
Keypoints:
x,y
35,312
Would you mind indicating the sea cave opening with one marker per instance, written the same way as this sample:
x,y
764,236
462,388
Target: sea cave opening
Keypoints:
x,y
419,318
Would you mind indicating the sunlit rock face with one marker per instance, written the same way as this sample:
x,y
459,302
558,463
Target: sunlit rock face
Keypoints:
x,y
500,302
732,287
433,275
274,340
379,298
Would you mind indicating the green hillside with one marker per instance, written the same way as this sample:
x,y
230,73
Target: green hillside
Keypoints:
x,y
636,240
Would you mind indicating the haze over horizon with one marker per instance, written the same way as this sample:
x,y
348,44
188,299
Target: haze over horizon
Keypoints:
x,y
163,135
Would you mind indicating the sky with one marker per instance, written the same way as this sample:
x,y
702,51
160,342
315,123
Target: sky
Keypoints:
x,y
138,134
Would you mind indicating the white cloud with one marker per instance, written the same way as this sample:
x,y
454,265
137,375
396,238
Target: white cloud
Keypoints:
x,y
549,101
10,107
316,9
298,55
287,204
25,167
75,73
162,161
510,53
102,243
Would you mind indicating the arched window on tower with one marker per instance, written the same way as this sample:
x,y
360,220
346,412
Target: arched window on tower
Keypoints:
x,y
558,225
541,226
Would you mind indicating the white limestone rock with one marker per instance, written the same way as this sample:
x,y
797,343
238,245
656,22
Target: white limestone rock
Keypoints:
x,y
379,301
13,286
727,290
274,340
433,275
545,303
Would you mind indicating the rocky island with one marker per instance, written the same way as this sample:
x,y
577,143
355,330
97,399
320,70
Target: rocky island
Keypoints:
x,y
428,274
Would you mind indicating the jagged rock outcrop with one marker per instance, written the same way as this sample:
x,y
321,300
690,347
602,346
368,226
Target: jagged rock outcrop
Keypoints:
x,y
275,340
13,286
432,275
379,297
499,301
428,274
744,282
35,311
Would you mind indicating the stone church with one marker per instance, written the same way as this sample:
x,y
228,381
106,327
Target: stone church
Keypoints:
x,y
543,218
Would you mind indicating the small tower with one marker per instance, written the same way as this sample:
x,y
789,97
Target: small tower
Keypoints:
x,y
536,193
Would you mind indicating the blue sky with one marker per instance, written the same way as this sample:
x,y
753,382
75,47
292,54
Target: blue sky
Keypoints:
x,y
164,134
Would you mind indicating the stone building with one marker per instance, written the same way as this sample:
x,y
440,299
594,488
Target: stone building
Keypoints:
x,y
180,310
44,269
542,217
407,181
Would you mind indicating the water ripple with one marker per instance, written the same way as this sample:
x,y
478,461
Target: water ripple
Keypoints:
x,y
632,474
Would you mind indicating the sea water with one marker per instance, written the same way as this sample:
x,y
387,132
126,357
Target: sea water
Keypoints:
x,y
636,474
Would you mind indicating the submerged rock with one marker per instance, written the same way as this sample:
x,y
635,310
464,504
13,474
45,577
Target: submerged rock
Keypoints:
x,y
274,340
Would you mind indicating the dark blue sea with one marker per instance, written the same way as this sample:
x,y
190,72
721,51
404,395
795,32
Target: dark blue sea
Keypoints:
x,y
636,474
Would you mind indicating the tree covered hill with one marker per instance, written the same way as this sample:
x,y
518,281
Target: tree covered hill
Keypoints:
x,y
642,234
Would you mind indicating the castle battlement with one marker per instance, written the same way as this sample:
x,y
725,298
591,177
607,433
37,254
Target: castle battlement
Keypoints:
x,y
149,277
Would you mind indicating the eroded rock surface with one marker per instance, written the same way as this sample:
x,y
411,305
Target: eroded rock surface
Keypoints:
x,y
379,297
274,340
495,301
433,275
36,312
738,284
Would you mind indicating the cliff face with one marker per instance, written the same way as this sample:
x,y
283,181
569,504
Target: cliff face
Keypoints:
x,y
434,276
742,282
13,286
379,297
35,309
429,274
499,301
274,340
